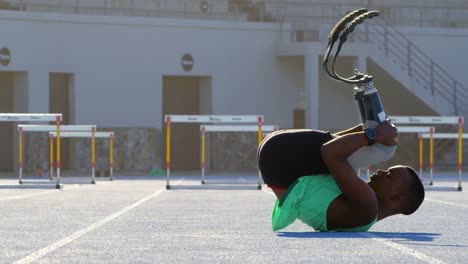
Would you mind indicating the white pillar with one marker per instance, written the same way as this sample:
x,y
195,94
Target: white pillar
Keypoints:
x,y
311,100
361,63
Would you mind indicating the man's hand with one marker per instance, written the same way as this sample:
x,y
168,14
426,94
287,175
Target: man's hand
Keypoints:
x,y
386,134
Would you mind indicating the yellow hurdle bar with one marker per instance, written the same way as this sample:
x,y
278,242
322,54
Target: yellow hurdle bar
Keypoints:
x,y
260,137
260,134
20,154
431,156
58,153
460,151
420,155
168,150
93,155
203,154
111,156
51,157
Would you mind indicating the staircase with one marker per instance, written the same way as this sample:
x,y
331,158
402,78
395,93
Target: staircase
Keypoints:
x,y
423,77
414,69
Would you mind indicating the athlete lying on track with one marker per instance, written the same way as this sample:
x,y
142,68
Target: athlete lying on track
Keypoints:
x,y
309,173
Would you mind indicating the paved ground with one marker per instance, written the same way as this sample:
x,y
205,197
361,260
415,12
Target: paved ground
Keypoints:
x,y
136,220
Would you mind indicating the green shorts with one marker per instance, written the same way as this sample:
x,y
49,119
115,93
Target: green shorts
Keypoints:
x,y
307,199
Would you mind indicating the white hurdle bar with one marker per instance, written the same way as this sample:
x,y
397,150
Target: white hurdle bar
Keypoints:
x,y
435,120
169,119
414,129
93,135
33,117
227,128
445,135
49,128
29,117
425,120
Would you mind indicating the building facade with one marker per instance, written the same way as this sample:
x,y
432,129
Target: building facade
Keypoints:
x,y
125,73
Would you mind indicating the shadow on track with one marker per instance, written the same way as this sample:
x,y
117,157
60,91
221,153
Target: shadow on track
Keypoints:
x,y
30,186
214,187
408,236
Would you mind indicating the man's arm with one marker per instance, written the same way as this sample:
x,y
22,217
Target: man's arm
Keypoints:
x,y
335,154
355,129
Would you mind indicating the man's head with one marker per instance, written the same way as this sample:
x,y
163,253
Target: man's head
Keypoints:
x,y
399,189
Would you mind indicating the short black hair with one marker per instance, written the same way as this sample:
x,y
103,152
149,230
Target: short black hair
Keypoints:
x,y
416,193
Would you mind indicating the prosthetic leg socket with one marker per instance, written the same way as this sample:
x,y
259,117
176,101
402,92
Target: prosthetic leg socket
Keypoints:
x,y
372,114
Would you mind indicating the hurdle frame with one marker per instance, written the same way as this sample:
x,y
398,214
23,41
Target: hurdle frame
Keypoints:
x,y
48,128
431,136
229,128
170,119
409,130
419,130
93,135
35,117
438,120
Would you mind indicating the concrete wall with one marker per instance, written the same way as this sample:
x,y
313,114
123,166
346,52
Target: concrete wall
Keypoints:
x,y
117,66
119,62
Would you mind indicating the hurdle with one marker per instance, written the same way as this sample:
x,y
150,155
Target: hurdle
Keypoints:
x,y
48,128
171,119
93,135
431,137
419,130
437,120
227,128
410,129
34,117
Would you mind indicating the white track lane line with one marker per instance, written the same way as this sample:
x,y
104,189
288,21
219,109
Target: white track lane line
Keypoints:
x,y
444,202
33,194
25,196
403,249
52,247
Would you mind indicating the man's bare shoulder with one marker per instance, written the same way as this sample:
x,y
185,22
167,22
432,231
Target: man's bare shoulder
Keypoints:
x,y
343,214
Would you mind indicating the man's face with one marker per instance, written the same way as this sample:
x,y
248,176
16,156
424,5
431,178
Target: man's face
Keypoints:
x,y
386,182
